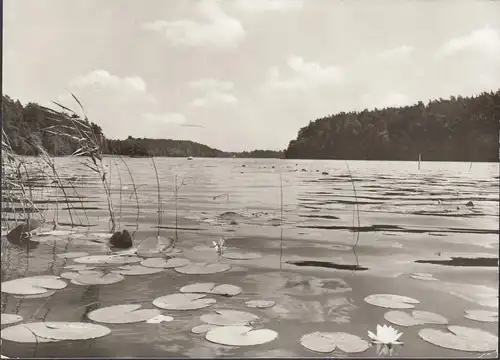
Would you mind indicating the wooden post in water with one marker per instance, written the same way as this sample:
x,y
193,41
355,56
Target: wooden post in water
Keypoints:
x,y
419,159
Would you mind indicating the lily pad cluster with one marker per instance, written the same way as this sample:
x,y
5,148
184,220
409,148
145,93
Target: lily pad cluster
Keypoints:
x,y
327,342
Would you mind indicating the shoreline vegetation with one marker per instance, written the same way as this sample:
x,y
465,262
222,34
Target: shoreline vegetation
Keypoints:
x,y
454,129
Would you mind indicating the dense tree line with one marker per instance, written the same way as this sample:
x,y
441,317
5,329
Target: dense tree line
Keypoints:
x,y
30,126
455,129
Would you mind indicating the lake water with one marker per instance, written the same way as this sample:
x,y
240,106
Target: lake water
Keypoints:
x,y
410,221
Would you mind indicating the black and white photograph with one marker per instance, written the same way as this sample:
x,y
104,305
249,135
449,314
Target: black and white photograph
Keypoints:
x,y
250,178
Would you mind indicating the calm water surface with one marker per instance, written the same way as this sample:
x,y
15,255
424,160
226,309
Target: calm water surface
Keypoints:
x,y
410,221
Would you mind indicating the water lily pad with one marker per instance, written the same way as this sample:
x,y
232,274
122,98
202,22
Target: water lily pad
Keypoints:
x,y
57,233
108,259
240,336
154,246
72,255
482,315
136,270
70,275
36,296
95,277
326,342
417,317
203,328
260,304
79,267
391,301
423,276
53,331
241,256
461,338
183,302
122,314
159,319
8,319
211,288
33,285
202,268
165,263
228,317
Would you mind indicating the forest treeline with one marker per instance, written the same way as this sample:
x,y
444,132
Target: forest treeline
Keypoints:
x,y
32,126
454,129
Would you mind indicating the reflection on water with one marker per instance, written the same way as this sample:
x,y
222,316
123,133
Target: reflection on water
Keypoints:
x,y
406,215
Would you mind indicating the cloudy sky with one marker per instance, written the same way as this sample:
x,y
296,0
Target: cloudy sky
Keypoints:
x,y
244,74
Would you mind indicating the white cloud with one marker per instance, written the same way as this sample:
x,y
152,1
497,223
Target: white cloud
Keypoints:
x,y
218,30
268,5
484,40
400,52
210,84
168,118
306,75
215,92
103,79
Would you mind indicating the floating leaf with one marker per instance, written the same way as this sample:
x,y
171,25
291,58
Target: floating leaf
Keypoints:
x,y
482,315
202,269
95,277
57,233
391,301
79,267
72,255
210,288
260,304
137,270
203,328
159,319
53,331
228,317
8,319
33,285
108,259
326,342
461,338
423,276
36,296
417,317
70,275
183,302
165,263
241,256
240,336
122,314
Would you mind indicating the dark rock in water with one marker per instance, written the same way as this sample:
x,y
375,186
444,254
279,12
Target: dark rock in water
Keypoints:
x,y
121,240
324,173
233,222
469,204
21,234
303,170
243,165
272,167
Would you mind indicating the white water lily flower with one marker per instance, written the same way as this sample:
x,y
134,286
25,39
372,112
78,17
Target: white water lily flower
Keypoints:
x,y
385,338
219,246
386,335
